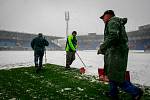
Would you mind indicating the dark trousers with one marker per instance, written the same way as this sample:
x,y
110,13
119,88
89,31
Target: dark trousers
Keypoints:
x,y
126,86
38,58
70,57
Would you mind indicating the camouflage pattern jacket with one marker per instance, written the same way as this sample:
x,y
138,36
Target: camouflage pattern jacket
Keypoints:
x,y
116,48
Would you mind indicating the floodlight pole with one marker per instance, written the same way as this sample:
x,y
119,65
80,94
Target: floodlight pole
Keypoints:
x,y
67,20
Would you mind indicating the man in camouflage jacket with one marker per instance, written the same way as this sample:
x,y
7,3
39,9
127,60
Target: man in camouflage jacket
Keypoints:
x,y
115,50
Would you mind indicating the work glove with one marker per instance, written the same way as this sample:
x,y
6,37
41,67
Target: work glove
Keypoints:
x,y
99,52
74,50
101,49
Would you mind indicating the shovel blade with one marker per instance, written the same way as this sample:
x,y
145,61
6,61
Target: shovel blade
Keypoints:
x,y
101,74
82,70
127,76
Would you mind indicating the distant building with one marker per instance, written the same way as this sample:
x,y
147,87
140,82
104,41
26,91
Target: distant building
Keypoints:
x,y
90,41
21,41
140,39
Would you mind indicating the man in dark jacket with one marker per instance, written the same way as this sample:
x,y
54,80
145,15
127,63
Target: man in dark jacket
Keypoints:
x,y
71,45
115,50
38,45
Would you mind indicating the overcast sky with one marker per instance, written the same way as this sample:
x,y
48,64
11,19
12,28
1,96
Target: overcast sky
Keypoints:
x,y
47,16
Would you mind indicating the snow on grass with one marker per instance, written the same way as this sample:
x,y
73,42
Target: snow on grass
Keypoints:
x,y
138,63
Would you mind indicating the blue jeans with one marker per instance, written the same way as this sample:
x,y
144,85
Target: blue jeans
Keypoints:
x,y
127,86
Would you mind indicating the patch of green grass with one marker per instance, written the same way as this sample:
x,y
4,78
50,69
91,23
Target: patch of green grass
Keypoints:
x,y
54,82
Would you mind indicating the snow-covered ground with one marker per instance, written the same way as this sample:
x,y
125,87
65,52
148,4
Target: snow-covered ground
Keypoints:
x,y
138,63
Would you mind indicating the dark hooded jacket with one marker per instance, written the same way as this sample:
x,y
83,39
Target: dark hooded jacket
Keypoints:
x,y
115,48
38,44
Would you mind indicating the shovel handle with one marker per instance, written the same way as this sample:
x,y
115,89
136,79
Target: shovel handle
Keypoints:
x,y
81,59
45,56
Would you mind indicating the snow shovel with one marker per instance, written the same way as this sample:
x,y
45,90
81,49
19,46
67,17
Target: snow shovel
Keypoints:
x,y
82,69
101,74
45,56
